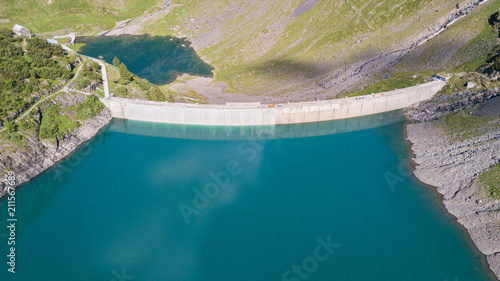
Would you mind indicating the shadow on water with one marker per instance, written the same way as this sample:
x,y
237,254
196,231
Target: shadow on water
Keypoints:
x,y
160,59
255,132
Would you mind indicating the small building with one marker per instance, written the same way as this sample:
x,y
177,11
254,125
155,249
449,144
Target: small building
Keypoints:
x,y
21,31
441,77
52,41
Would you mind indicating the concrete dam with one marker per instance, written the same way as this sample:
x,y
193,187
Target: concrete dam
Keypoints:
x,y
256,114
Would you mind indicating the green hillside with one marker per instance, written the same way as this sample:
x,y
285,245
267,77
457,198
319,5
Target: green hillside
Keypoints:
x,y
462,47
78,15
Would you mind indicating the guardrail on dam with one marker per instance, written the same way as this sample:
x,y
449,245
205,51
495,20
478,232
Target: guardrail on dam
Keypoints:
x,y
255,114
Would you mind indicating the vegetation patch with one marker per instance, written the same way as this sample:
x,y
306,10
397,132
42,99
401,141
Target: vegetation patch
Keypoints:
x,y
490,181
88,108
55,124
462,125
458,83
195,97
76,47
91,74
396,81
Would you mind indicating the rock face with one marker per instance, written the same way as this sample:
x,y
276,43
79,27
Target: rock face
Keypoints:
x,y
453,167
41,156
441,105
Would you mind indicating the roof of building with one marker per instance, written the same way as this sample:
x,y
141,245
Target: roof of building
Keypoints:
x,y
441,77
18,27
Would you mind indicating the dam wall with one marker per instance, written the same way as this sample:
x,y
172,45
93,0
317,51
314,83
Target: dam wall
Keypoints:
x,y
255,114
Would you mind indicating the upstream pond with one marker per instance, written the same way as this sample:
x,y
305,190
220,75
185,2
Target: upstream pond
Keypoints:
x,y
146,201
160,59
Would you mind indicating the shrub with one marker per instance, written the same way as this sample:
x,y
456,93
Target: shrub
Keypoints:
x,y
123,81
80,84
10,126
89,108
55,125
121,91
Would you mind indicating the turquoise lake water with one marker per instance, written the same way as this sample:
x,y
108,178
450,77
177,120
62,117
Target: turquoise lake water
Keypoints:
x,y
273,201
157,58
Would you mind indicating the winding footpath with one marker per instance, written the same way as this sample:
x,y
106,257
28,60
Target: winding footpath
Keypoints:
x,y
63,89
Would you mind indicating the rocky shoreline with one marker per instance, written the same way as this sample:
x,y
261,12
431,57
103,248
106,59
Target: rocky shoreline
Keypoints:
x,y
41,156
453,165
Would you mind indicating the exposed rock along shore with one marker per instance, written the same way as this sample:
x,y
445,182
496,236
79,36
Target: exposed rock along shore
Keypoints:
x,y
41,156
453,167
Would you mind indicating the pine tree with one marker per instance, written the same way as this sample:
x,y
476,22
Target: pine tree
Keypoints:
x,y
116,62
124,73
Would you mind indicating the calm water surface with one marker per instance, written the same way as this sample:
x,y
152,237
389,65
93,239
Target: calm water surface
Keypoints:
x,y
128,204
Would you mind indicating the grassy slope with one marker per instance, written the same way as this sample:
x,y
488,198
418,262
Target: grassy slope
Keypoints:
x,y
78,15
462,47
462,125
258,48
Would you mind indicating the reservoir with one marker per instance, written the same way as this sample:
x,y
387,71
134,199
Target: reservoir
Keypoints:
x,y
157,58
322,201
